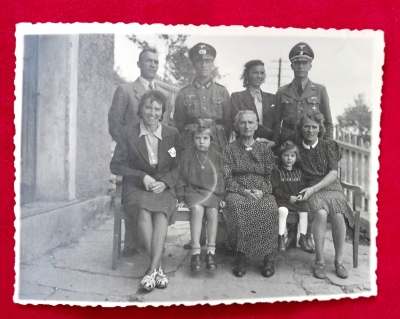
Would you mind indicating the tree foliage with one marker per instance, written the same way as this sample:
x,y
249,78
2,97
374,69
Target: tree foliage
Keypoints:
x,y
178,67
356,118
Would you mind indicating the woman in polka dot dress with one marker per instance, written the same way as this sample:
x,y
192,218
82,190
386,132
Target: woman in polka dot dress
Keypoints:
x,y
251,214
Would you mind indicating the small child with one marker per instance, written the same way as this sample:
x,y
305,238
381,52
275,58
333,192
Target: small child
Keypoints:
x,y
201,187
287,182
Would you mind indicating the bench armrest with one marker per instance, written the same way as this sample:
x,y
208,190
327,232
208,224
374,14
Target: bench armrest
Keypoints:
x,y
358,192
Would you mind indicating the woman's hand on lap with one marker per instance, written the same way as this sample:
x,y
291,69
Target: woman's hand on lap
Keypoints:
x,y
259,193
181,205
249,194
159,187
148,183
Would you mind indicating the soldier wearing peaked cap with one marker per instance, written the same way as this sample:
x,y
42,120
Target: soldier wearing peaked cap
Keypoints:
x,y
203,98
299,97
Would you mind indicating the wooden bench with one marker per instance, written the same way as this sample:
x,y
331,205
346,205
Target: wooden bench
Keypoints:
x,y
184,215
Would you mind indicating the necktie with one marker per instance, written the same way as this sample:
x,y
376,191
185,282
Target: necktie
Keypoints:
x,y
151,87
300,89
256,95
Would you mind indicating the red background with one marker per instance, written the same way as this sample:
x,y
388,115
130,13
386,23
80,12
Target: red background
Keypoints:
x,y
356,14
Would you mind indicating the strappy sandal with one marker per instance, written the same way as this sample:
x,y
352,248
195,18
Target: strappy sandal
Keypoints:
x,y
149,282
161,279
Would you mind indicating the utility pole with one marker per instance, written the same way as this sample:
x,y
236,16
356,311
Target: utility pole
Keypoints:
x,y
279,73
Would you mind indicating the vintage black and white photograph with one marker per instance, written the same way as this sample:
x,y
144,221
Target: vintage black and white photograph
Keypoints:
x,y
167,165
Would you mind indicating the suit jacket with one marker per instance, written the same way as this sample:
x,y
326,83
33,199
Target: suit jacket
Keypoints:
x,y
131,160
241,101
125,104
290,108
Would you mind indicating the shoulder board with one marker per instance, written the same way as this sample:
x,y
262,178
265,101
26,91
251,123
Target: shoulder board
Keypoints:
x,y
316,84
219,85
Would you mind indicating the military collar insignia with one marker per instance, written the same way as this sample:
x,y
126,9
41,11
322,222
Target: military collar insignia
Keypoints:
x,y
197,85
312,85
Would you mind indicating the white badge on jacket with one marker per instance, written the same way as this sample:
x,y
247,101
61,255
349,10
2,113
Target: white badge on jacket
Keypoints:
x,y
172,152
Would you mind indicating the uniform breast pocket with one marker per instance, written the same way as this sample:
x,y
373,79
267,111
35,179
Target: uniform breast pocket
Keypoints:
x,y
217,106
313,102
192,106
287,106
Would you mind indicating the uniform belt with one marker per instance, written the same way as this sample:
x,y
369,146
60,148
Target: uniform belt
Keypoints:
x,y
289,125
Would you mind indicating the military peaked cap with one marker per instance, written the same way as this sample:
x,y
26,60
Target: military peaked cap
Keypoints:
x,y
202,51
301,52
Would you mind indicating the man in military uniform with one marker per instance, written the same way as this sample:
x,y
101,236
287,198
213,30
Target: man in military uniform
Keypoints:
x,y
296,99
293,101
204,99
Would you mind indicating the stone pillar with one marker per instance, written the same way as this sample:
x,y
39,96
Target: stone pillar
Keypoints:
x,y
56,117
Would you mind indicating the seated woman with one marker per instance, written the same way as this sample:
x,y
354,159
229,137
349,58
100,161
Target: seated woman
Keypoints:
x,y
146,158
251,214
324,193
255,100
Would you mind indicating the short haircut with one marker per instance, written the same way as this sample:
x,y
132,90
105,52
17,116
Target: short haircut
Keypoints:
x,y
147,49
201,126
247,67
315,116
288,146
240,113
153,95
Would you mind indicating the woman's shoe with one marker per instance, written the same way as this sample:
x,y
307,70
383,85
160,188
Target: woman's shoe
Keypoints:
x,y
341,270
210,262
303,243
161,279
268,269
319,270
149,281
281,243
195,262
239,270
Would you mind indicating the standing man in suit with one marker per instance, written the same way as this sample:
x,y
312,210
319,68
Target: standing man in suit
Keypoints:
x,y
123,112
296,99
203,99
254,99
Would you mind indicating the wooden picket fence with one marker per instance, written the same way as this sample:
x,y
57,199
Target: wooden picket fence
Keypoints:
x,y
354,165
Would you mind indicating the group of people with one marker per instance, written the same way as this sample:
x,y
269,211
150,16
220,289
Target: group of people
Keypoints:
x,y
256,155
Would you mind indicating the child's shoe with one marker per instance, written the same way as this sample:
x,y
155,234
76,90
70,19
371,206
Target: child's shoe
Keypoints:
x,y
195,263
210,261
303,243
281,243
291,236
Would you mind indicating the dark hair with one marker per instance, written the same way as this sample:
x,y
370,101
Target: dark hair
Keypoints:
x,y
247,67
147,49
153,95
315,116
288,146
201,126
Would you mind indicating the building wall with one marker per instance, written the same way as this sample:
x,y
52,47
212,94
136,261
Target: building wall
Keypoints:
x,y
95,91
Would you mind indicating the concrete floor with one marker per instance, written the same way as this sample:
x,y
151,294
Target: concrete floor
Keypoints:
x,y
81,272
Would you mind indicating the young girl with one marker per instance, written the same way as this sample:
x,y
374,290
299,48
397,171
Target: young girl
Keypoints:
x,y
287,182
201,187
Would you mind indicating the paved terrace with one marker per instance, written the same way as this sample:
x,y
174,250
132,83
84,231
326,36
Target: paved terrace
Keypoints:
x,y
81,271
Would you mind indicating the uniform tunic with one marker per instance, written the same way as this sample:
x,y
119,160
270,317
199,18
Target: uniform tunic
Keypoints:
x,y
316,162
209,101
291,108
252,224
287,183
197,186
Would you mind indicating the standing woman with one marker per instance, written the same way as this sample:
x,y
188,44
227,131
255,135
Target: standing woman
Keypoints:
x,y
324,193
251,214
146,158
253,99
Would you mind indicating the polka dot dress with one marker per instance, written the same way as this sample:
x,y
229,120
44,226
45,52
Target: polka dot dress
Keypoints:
x,y
252,224
315,164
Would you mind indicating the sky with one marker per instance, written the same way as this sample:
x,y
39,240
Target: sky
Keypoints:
x,y
343,64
